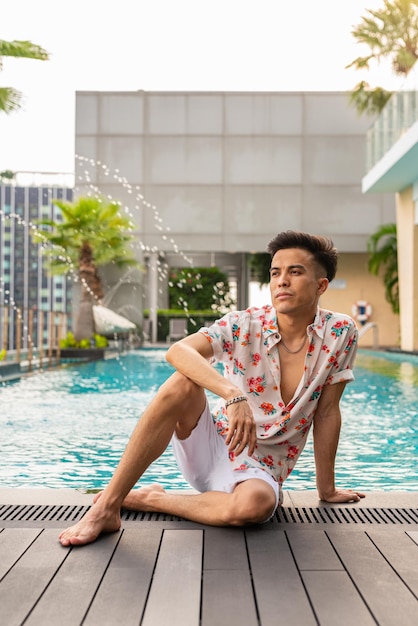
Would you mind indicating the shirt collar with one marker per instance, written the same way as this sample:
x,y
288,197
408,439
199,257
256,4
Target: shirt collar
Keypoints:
x,y
271,330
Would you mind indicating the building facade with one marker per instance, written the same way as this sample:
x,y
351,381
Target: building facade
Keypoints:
x,y
392,167
25,287
209,177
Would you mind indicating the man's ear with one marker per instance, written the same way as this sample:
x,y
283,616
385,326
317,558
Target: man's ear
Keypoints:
x,y
322,285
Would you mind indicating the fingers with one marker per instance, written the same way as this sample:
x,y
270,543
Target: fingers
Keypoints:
x,y
240,441
242,430
353,496
346,495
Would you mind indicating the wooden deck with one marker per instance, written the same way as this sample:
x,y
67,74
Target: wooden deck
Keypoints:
x,y
313,564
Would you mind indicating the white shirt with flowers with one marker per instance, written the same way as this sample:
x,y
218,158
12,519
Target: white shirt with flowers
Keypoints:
x,y
246,342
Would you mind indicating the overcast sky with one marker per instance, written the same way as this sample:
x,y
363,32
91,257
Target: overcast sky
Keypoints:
x,y
166,45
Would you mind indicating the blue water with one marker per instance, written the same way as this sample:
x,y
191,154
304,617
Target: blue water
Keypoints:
x,y
69,427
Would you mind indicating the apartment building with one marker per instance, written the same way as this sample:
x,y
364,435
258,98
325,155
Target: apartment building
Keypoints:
x,y
25,287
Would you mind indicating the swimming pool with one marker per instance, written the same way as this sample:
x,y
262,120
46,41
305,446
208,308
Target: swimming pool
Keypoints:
x,y
68,427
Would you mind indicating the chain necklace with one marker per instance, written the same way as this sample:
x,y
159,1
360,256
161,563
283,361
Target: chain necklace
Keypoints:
x,y
282,343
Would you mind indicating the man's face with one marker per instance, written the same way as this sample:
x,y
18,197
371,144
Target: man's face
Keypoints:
x,y
296,282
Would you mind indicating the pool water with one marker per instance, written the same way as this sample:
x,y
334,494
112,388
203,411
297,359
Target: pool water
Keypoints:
x,y
69,427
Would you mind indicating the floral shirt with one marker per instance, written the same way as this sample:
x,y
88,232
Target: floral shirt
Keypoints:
x,y
246,342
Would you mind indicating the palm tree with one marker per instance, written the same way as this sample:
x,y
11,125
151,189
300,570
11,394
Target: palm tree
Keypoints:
x,y
390,33
92,234
383,253
10,98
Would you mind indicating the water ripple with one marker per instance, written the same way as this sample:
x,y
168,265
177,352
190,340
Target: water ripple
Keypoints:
x,y
69,427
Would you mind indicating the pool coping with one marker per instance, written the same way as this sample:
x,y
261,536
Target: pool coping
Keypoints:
x,y
302,498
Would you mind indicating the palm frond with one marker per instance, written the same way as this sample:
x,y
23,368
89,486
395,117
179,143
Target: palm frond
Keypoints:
x,y
382,249
22,49
10,99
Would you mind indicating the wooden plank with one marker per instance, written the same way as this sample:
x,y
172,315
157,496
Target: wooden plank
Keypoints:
x,y
387,597
225,548
174,597
402,554
13,543
228,599
335,599
21,588
312,550
123,591
278,586
67,598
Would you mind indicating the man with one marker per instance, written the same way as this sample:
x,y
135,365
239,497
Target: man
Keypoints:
x,y
286,366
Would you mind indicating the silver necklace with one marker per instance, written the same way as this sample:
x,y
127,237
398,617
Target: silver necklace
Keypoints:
x,y
282,343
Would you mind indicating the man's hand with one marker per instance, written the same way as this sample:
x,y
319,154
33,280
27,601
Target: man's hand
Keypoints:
x,y
343,495
242,430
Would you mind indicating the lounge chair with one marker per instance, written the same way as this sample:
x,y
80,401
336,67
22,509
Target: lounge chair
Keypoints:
x,y
177,329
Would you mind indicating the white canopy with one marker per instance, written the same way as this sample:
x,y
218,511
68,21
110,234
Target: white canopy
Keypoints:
x,y
107,322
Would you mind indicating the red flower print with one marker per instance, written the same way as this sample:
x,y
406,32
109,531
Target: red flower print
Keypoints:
x,y
268,408
227,347
302,422
292,452
256,385
268,461
256,358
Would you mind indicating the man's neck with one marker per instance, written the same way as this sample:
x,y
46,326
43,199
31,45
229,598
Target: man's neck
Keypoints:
x,y
294,325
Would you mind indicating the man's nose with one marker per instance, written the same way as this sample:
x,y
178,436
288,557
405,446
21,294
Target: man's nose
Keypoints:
x,y
283,279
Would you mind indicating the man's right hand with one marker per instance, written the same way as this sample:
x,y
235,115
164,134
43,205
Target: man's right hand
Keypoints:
x,y
242,428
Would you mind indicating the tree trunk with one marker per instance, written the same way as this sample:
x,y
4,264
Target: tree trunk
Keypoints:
x,y
91,293
84,323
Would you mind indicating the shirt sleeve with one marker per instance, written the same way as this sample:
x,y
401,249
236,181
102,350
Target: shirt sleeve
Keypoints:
x,y
343,362
224,334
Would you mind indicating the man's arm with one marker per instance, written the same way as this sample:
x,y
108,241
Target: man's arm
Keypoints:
x,y
190,356
326,432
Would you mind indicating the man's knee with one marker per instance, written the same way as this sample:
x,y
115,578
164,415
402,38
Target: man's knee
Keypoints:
x,y
183,401
251,506
179,389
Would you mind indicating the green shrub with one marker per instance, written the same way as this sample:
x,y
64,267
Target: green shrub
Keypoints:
x,y
83,344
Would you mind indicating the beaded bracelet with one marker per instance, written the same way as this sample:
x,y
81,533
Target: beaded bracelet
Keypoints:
x,y
234,400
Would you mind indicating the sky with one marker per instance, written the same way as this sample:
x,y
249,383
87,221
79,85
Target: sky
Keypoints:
x,y
166,45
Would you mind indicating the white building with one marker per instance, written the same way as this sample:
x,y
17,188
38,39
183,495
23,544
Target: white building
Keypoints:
x,y
210,177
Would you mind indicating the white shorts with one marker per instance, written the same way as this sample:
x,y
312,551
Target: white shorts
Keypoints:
x,y
204,462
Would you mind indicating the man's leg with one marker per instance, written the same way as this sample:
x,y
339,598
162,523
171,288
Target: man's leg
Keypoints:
x,y
252,501
178,403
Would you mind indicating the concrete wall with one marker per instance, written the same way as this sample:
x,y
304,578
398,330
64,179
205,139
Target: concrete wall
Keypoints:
x,y
219,174
354,283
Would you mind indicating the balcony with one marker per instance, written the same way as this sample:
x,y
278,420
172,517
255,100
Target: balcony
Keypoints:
x,y
392,141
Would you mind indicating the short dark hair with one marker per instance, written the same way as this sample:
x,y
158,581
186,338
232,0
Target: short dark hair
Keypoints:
x,y
321,248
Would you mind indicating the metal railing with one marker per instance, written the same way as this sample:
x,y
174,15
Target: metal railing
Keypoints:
x,y
396,118
374,327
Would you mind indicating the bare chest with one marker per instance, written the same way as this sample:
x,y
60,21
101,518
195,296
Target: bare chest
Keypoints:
x,y
292,367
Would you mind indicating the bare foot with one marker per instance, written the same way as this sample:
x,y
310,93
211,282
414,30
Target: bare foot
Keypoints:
x,y
141,499
96,521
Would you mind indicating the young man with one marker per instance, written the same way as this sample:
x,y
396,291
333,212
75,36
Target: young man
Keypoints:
x,y
286,366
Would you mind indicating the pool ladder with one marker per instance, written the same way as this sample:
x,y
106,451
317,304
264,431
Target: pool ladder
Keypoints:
x,y
371,325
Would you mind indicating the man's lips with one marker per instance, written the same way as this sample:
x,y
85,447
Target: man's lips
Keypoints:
x,y
283,295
